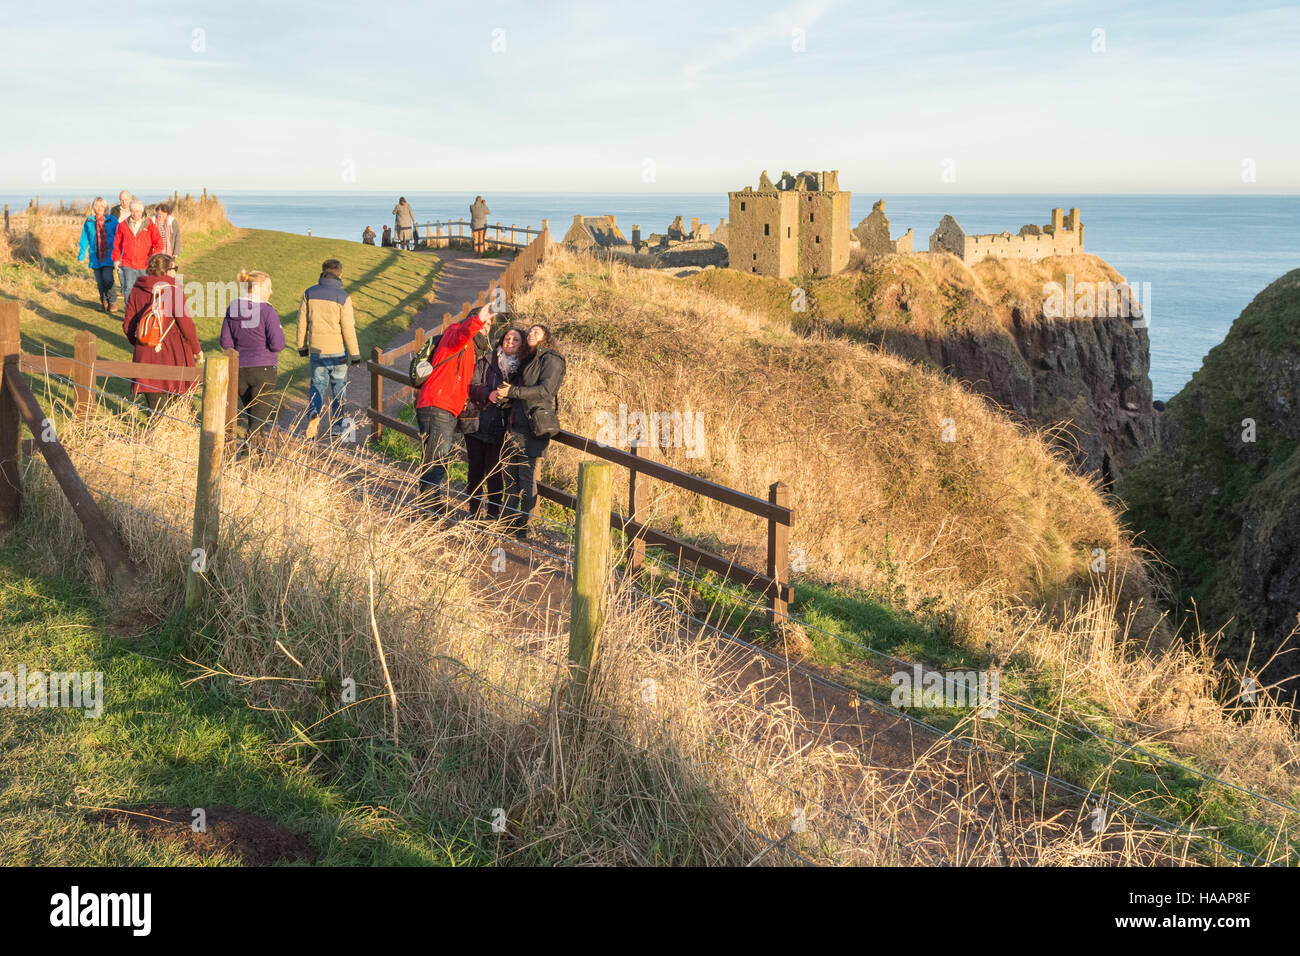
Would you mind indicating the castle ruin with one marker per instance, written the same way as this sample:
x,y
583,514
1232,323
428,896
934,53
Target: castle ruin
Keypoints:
x,y
872,234
1063,236
798,225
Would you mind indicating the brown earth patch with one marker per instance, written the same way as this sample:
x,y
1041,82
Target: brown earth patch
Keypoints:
x,y
255,840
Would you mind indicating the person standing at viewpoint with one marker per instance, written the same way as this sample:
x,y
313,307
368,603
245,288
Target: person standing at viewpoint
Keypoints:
x,y
478,213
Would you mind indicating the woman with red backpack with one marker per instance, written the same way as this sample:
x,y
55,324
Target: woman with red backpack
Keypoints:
x,y
158,325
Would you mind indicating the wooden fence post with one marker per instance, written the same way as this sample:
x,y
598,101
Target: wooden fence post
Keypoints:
x,y
590,575
11,476
207,492
377,390
636,510
778,555
232,391
84,350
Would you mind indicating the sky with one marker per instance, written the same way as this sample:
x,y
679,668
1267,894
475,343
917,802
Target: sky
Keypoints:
x,y
965,97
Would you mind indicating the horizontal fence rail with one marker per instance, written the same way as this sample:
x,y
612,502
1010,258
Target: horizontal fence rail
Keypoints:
x,y
440,233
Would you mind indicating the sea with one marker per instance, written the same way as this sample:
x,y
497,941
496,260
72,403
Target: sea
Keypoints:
x,y
1204,257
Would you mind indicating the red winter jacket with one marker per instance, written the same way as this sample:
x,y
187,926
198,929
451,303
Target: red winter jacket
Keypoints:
x,y
180,344
448,387
132,249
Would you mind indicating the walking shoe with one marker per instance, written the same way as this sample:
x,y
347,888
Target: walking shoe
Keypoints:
x,y
313,427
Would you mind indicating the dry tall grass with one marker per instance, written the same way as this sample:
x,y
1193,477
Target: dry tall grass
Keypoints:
x,y
992,530
698,775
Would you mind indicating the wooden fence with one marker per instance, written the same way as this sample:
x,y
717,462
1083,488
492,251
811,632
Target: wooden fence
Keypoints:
x,y
440,233
774,582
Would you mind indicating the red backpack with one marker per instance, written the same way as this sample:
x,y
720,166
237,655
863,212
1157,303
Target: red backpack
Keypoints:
x,y
153,327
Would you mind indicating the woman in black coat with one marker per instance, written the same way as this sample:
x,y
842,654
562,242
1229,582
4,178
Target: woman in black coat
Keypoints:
x,y
534,399
483,443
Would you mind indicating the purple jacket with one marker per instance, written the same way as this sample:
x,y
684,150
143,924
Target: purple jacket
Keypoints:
x,y
253,329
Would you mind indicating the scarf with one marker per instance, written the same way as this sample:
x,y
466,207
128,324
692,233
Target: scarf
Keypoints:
x,y
101,241
162,230
508,364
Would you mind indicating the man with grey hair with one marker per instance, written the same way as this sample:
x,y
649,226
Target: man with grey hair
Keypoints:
x,y
137,239
122,210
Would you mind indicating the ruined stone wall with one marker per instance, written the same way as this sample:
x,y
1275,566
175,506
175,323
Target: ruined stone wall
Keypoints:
x,y
1063,236
761,237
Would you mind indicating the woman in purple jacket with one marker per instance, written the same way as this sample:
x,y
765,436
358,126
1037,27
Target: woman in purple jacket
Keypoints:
x,y
253,329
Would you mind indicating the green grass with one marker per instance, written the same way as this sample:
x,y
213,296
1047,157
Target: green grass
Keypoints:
x,y
160,741
388,287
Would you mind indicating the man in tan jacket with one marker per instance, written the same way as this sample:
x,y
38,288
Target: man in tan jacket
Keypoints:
x,y
327,331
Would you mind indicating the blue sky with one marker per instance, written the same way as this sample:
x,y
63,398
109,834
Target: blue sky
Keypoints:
x,y
674,96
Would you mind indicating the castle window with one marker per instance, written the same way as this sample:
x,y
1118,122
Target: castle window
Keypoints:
x,y
787,232
819,239
810,217
756,255
767,229
742,207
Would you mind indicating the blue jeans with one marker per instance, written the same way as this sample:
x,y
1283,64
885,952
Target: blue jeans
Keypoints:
x,y
128,279
438,440
329,377
104,279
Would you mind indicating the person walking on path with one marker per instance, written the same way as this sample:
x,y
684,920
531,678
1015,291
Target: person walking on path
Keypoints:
x,y
134,244
158,325
252,328
440,401
387,240
485,483
404,221
327,331
96,249
168,229
122,210
534,399
478,213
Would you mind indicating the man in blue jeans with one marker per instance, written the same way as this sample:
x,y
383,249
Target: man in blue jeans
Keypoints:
x,y
327,331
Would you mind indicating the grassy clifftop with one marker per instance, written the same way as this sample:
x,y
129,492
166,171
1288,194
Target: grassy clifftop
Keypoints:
x,y
1220,498
986,326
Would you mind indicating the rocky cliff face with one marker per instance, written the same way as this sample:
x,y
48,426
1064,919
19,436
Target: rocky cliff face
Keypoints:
x,y
1220,497
995,328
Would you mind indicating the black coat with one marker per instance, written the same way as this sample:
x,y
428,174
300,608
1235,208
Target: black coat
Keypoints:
x,y
492,419
538,386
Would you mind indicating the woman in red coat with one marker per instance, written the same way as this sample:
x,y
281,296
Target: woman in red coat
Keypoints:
x,y
159,296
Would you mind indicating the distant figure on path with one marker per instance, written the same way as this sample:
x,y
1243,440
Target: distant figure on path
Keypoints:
x,y
97,236
168,229
123,207
368,237
388,237
478,213
252,328
327,330
134,243
485,482
534,396
440,401
404,220
158,325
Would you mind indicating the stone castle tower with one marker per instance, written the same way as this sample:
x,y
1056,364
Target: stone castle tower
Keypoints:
x,y
798,225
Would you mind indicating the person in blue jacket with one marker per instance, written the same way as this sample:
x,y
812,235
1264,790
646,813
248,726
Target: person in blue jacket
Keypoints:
x,y
97,243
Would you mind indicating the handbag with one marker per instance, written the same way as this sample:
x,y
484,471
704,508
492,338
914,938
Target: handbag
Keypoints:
x,y
544,422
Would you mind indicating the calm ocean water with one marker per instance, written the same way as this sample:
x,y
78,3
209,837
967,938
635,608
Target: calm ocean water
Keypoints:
x,y
1205,256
